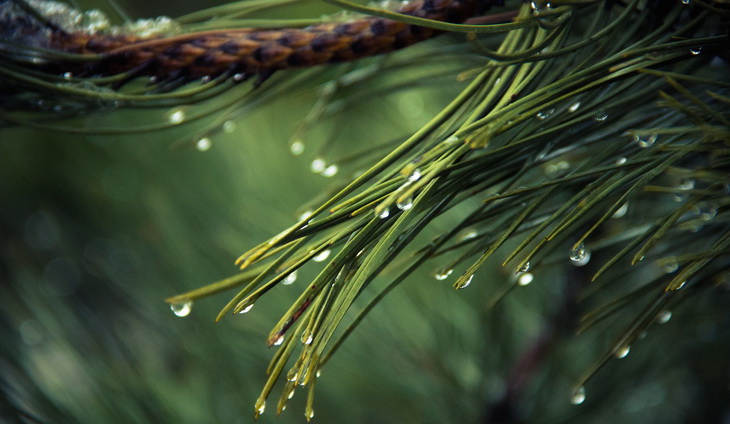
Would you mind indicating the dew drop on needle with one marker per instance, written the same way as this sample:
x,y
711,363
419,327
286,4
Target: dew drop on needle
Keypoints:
x,y
182,309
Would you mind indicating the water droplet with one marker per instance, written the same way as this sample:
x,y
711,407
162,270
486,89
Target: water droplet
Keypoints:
x,y
382,213
229,127
621,161
525,279
67,75
415,175
405,204
664,317
575,106
578,396
176,116
578,252
554,170
579,255
290,279
305,216
203,144
451,140
308,340
318,165
710,213
551,171
292,375
563,166
545,114
621,212
246,309
468,234
41,104
539,6
309,412
279,341
622,352
681,285
182,309
296,147
600,116
205,79
465,282
35,59
260,407
318,374
671,267
525,267
153,79
290,395
239,77
330,171
322,256
685,2
695,51
443,274
686,184
644,142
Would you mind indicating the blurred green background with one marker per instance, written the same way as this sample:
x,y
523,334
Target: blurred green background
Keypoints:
x,y
95,231
98,230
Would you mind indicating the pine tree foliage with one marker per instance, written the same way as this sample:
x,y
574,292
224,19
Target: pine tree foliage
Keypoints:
x,y
593,134
591,111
